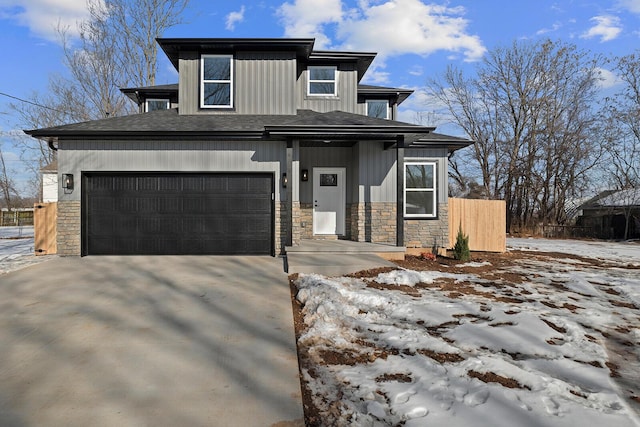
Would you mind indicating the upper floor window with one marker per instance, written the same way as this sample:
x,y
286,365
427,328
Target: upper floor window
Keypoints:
x,y
153,104
322,80
216,90
420,189
378,108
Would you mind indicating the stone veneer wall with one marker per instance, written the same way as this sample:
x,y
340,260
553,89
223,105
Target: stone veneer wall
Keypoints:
x,y
357,221
383,221
295,227
306,217
428,233
68,233
373,222
280,227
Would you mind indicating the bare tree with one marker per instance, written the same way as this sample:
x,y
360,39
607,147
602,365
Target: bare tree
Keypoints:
x,y
622,114
140,23
115,48
7,185
529,111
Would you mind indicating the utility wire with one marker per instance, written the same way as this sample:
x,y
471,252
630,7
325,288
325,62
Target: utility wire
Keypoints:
x,y
33,103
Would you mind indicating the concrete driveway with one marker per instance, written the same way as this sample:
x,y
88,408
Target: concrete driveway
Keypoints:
x,y
148,341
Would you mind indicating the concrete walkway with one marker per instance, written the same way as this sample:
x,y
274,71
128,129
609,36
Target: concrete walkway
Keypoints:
x,y
339,257
148,341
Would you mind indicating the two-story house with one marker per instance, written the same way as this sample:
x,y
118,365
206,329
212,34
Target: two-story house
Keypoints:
x,y
262,143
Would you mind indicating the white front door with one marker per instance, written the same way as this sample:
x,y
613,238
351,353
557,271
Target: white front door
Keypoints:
x,y
329,200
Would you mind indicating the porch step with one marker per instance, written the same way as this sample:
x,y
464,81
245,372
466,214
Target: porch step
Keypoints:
x,y
337,258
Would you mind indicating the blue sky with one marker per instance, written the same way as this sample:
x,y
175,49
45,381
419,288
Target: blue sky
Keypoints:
x,y
415,39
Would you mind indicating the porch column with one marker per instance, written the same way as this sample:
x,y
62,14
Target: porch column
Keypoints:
x,y
289,190
400,190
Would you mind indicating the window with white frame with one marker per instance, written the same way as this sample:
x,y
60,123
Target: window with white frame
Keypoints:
x,y
420,190
216,80
378,108
323,80
154,104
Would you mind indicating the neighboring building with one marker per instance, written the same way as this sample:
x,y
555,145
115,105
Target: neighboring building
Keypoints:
x,y
606,215
49,176
262,143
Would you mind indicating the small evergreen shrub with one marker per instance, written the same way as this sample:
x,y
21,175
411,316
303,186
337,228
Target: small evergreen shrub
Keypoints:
x,y
461,248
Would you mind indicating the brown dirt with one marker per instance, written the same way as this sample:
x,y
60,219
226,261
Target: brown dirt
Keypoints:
x,y
507,283
490,377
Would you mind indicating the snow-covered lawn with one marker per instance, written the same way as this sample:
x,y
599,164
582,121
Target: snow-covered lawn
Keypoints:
x,y
16,249
520,339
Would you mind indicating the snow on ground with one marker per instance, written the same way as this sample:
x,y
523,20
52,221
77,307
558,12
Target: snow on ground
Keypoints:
x,y
16,249
621,252
535,341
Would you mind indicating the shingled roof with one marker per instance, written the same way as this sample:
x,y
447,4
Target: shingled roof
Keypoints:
x,y
306,124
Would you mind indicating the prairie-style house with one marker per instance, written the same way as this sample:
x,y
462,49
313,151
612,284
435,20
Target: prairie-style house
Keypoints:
x,y
261,144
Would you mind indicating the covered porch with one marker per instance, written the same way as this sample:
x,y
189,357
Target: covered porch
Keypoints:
x,y
344,179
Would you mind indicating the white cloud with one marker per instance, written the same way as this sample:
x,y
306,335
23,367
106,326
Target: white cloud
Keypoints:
x,y
607,27
608,79
43,16
632,6
233,18
398,27
389,27
307,18
375,75
416,70
555,27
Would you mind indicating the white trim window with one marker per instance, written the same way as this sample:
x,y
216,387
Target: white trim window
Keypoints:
x,y
420,190
216,81
154,104
322,81
378,108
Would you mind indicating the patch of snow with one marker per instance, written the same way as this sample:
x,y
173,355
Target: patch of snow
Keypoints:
x,y
16,232
549,335
17,249
475,264
626,253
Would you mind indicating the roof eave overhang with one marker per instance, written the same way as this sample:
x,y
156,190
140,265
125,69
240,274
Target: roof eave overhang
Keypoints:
x,y
303,130
363,60
54,136
172,46
401,94
450,144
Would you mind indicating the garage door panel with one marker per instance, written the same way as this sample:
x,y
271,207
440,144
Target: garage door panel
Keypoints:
x,y
178,214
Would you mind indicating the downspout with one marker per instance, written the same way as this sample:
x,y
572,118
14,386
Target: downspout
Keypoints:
x,y
400,190
50,143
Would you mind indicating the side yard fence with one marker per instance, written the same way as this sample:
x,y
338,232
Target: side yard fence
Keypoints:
x,y
16,217
45,228
484,221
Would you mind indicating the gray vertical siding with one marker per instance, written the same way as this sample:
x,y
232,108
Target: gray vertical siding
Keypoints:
x,y
188,82
170,156
264,83
311,157
371,170
377,171
345,101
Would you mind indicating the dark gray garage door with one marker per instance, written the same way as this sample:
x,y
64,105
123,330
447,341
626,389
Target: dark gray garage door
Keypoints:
x,y
169,214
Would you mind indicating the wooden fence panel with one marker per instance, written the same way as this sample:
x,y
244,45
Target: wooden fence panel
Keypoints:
x,y
16,217
484,221
45,218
